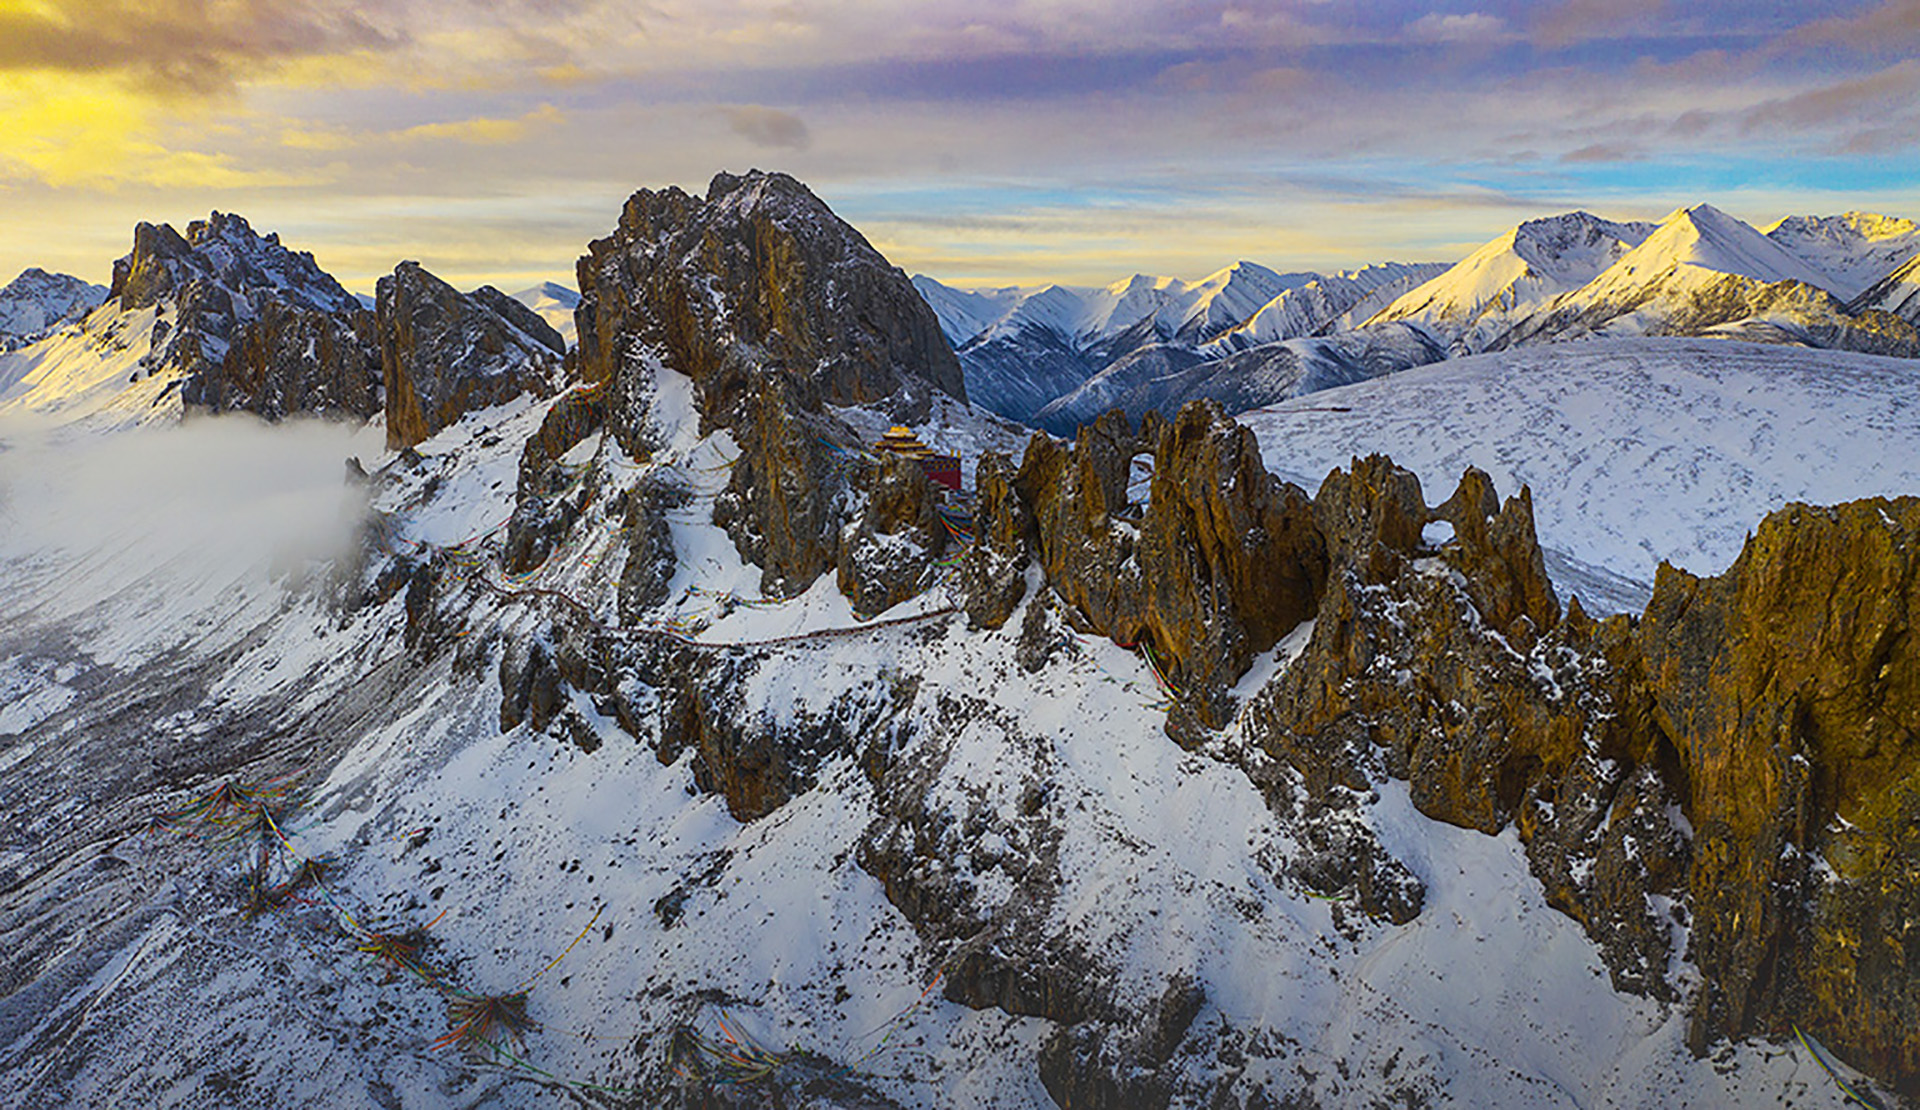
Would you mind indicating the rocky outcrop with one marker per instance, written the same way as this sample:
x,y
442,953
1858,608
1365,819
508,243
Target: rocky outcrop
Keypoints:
x,y
545,500
1223,560
887,552
1791,688
992,575
1408,673
291,359
248,324
1496,549
761,268
444,353
651,561
790,490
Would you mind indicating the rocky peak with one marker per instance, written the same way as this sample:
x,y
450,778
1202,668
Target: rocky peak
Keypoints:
x,y
444,353
247,324
225,251
37,302
762,268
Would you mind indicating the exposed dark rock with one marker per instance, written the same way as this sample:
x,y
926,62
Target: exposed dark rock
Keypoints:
x,y
530,323
1501,558
790,491
1000,953
291,359
544,505
1224,561
762,265
888,551
530,685
650,557
992,575
444,353
252,326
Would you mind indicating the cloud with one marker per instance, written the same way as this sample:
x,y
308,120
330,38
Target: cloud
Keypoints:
x,y
1602,152
178,46
1571,22
769,127
1894,25
1866,99
1470,27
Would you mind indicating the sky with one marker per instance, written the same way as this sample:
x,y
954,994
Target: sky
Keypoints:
x,y
985,142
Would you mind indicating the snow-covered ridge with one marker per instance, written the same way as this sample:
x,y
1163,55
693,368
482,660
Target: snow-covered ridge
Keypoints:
x,y
1898,293
1169,858
1329,303
35,303
1852,250
1529,265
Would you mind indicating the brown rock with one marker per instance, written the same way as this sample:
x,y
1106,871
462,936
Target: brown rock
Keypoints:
x,y
542,510
1501,558
888,551
785,500
1223,562
1371,516
762,266
291,359
444,353
1791,688
993,574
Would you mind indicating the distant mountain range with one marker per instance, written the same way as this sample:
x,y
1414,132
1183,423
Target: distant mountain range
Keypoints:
x,y
1056,356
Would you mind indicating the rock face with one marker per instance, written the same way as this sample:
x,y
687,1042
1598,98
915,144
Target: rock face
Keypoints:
x,y
1222,561
1791,688
887,552
791,490
762,266
290,359
247,323
444,353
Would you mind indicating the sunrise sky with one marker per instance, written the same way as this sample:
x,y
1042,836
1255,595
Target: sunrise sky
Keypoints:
x,y
993,141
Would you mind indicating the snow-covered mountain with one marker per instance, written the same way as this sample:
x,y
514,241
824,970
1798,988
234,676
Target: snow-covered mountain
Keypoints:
x,y
1705,272
1898,293
1193,311
1477,300
1330,302
1066,351
1023,349
1163,377
1852,250
555,304
36,302
621,857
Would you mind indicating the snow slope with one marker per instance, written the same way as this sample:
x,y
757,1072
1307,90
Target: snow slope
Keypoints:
x,y
1635,450
1852,250
91,372
514,843
1331,302
1696,259
1898,293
